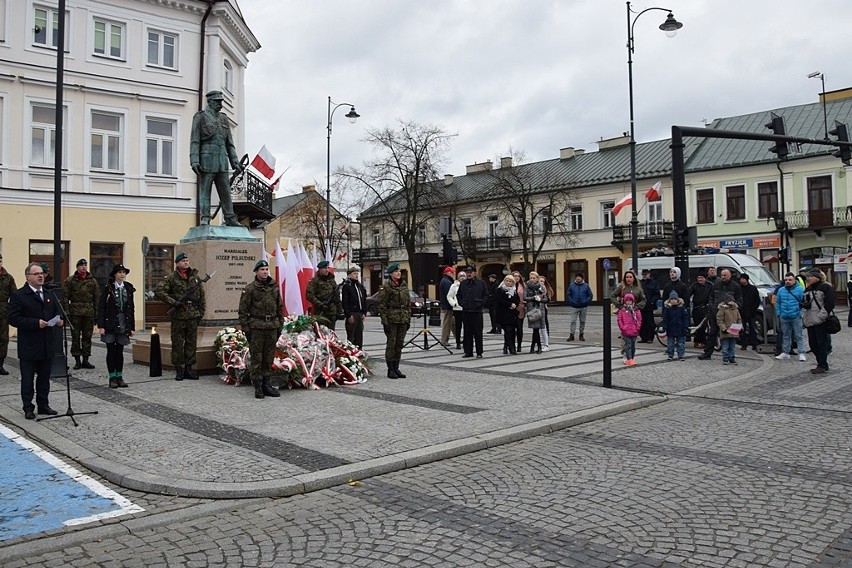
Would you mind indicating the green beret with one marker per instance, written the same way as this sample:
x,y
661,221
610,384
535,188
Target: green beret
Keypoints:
x,y
393,267
322,264
45,267
261,264
82,262
180,256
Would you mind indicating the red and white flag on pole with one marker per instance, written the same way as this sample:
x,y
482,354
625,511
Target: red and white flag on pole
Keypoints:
x,y
621,204
293,294
655,193
264,162
306,272
280,271
275,183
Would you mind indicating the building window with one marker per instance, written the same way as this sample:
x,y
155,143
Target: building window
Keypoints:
x,y
158,264
767,199
162,49
735,202
42,252
160,146
654,217
43,135
102,257
46,27
228,76
546,218
106,141
445,227
704,206
377,238
421,234
492,226
576,213
467,228
400,240
607,218
109,39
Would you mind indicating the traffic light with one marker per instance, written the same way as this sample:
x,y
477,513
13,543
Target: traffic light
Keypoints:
x,y
783,256
685,240
450,253
776,125
843,152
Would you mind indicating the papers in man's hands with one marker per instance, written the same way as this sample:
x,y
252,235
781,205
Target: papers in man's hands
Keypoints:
x,y
53,321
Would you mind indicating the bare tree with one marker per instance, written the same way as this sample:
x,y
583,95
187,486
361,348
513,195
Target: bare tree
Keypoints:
x,y
535,205
402,177
312,216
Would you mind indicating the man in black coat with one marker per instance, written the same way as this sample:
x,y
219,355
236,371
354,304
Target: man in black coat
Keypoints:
x,y
491,304
354,299
748,313
723,286
699,295
471,296
34,310
651,289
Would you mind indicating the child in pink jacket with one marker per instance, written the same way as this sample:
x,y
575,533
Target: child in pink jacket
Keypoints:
x,y
629,322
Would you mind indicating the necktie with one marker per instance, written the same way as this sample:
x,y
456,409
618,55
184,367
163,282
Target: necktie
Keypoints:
x,y
40,297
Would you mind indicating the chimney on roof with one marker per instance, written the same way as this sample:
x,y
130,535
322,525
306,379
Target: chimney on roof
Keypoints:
x,y
448,180
483,167
308,188
616,142
567,153
506,162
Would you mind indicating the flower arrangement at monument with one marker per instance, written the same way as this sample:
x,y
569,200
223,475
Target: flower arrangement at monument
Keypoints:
x,y
313,356
232,354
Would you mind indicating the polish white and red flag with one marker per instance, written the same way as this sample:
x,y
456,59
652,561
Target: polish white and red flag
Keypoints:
x,y
280,271
621,204
306,272
292,292
264,162
655,192
275,184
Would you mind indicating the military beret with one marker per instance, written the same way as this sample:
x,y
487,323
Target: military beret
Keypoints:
x,y
322,264
261,264
82,262
393,267
180,256
45,267
215,95
353,269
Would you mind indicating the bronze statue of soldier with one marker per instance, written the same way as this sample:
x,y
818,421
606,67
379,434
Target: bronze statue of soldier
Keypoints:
x,y
211,148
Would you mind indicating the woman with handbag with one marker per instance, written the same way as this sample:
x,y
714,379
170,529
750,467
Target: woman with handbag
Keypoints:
x,y
116,317
507,301
522,308
818,305
535,296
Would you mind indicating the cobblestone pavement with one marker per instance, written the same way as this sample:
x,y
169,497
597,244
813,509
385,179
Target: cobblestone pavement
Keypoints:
x,y
740,466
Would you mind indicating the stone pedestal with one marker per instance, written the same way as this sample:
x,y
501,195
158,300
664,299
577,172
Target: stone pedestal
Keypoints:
x,y
230,252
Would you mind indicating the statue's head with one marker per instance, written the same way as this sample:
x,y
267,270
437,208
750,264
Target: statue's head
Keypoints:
x,y
215,96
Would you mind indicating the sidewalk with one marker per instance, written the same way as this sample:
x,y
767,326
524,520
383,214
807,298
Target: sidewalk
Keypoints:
x,y
211,440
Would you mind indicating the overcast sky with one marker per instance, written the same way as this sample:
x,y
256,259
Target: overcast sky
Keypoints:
x,y
531,75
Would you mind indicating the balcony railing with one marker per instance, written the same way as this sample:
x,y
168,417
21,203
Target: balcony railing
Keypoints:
x,y
472,246
818,219
252,198
372,254
651,232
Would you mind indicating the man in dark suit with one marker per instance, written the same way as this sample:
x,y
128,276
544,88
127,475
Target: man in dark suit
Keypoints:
x,y
34,311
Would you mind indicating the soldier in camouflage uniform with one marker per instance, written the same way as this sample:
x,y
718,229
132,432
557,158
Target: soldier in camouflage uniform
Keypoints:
x,y
395,311
261,318
80,294
7,286
324,294
187,315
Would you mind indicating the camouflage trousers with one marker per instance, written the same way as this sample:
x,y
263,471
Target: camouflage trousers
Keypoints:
x,y
4,338
262,350
184,342
81,335
395,340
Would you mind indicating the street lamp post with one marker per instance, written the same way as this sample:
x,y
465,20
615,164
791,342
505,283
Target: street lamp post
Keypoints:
x,y
670,26
821,77
352,116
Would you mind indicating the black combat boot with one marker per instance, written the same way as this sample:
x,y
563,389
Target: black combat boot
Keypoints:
x,y
2,370
179,373
258,389
392,370
399,373
77,364
268,389
85,364
188,373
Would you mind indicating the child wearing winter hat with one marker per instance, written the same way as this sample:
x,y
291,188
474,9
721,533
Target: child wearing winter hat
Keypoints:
x,y
676,325
629,322
730,324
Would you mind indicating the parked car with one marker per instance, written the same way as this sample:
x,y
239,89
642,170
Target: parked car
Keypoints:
x,y
418,304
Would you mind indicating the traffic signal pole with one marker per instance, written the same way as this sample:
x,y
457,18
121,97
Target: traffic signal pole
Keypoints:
x,y
679,177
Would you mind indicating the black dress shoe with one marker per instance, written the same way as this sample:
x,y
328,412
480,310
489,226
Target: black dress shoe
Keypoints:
x,y
86,365
29,415
704,356
47,410
467,355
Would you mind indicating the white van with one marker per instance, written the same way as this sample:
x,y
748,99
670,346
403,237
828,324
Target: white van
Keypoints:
x,y
737,263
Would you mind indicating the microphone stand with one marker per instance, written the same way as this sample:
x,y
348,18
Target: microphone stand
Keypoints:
x,y
64,359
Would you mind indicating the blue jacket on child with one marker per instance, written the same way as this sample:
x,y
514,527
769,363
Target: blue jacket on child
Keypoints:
x,y
675,317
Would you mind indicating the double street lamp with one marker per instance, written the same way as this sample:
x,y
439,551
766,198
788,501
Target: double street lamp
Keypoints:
x,y
352,116
670,26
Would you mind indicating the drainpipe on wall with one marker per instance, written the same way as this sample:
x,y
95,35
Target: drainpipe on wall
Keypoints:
x,y
203,53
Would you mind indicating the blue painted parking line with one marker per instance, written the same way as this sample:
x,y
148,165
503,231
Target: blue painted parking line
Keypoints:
x,y
39,492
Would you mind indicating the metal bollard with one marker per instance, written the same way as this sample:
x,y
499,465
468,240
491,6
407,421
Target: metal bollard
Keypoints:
x,y
607,344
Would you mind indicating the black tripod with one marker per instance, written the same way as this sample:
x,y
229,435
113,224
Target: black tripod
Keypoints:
x,y
426,335
59,364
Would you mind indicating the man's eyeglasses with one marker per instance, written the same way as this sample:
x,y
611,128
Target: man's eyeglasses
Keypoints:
x,y
35,273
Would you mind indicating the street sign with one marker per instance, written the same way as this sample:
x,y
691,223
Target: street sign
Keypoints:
x,y
606,264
